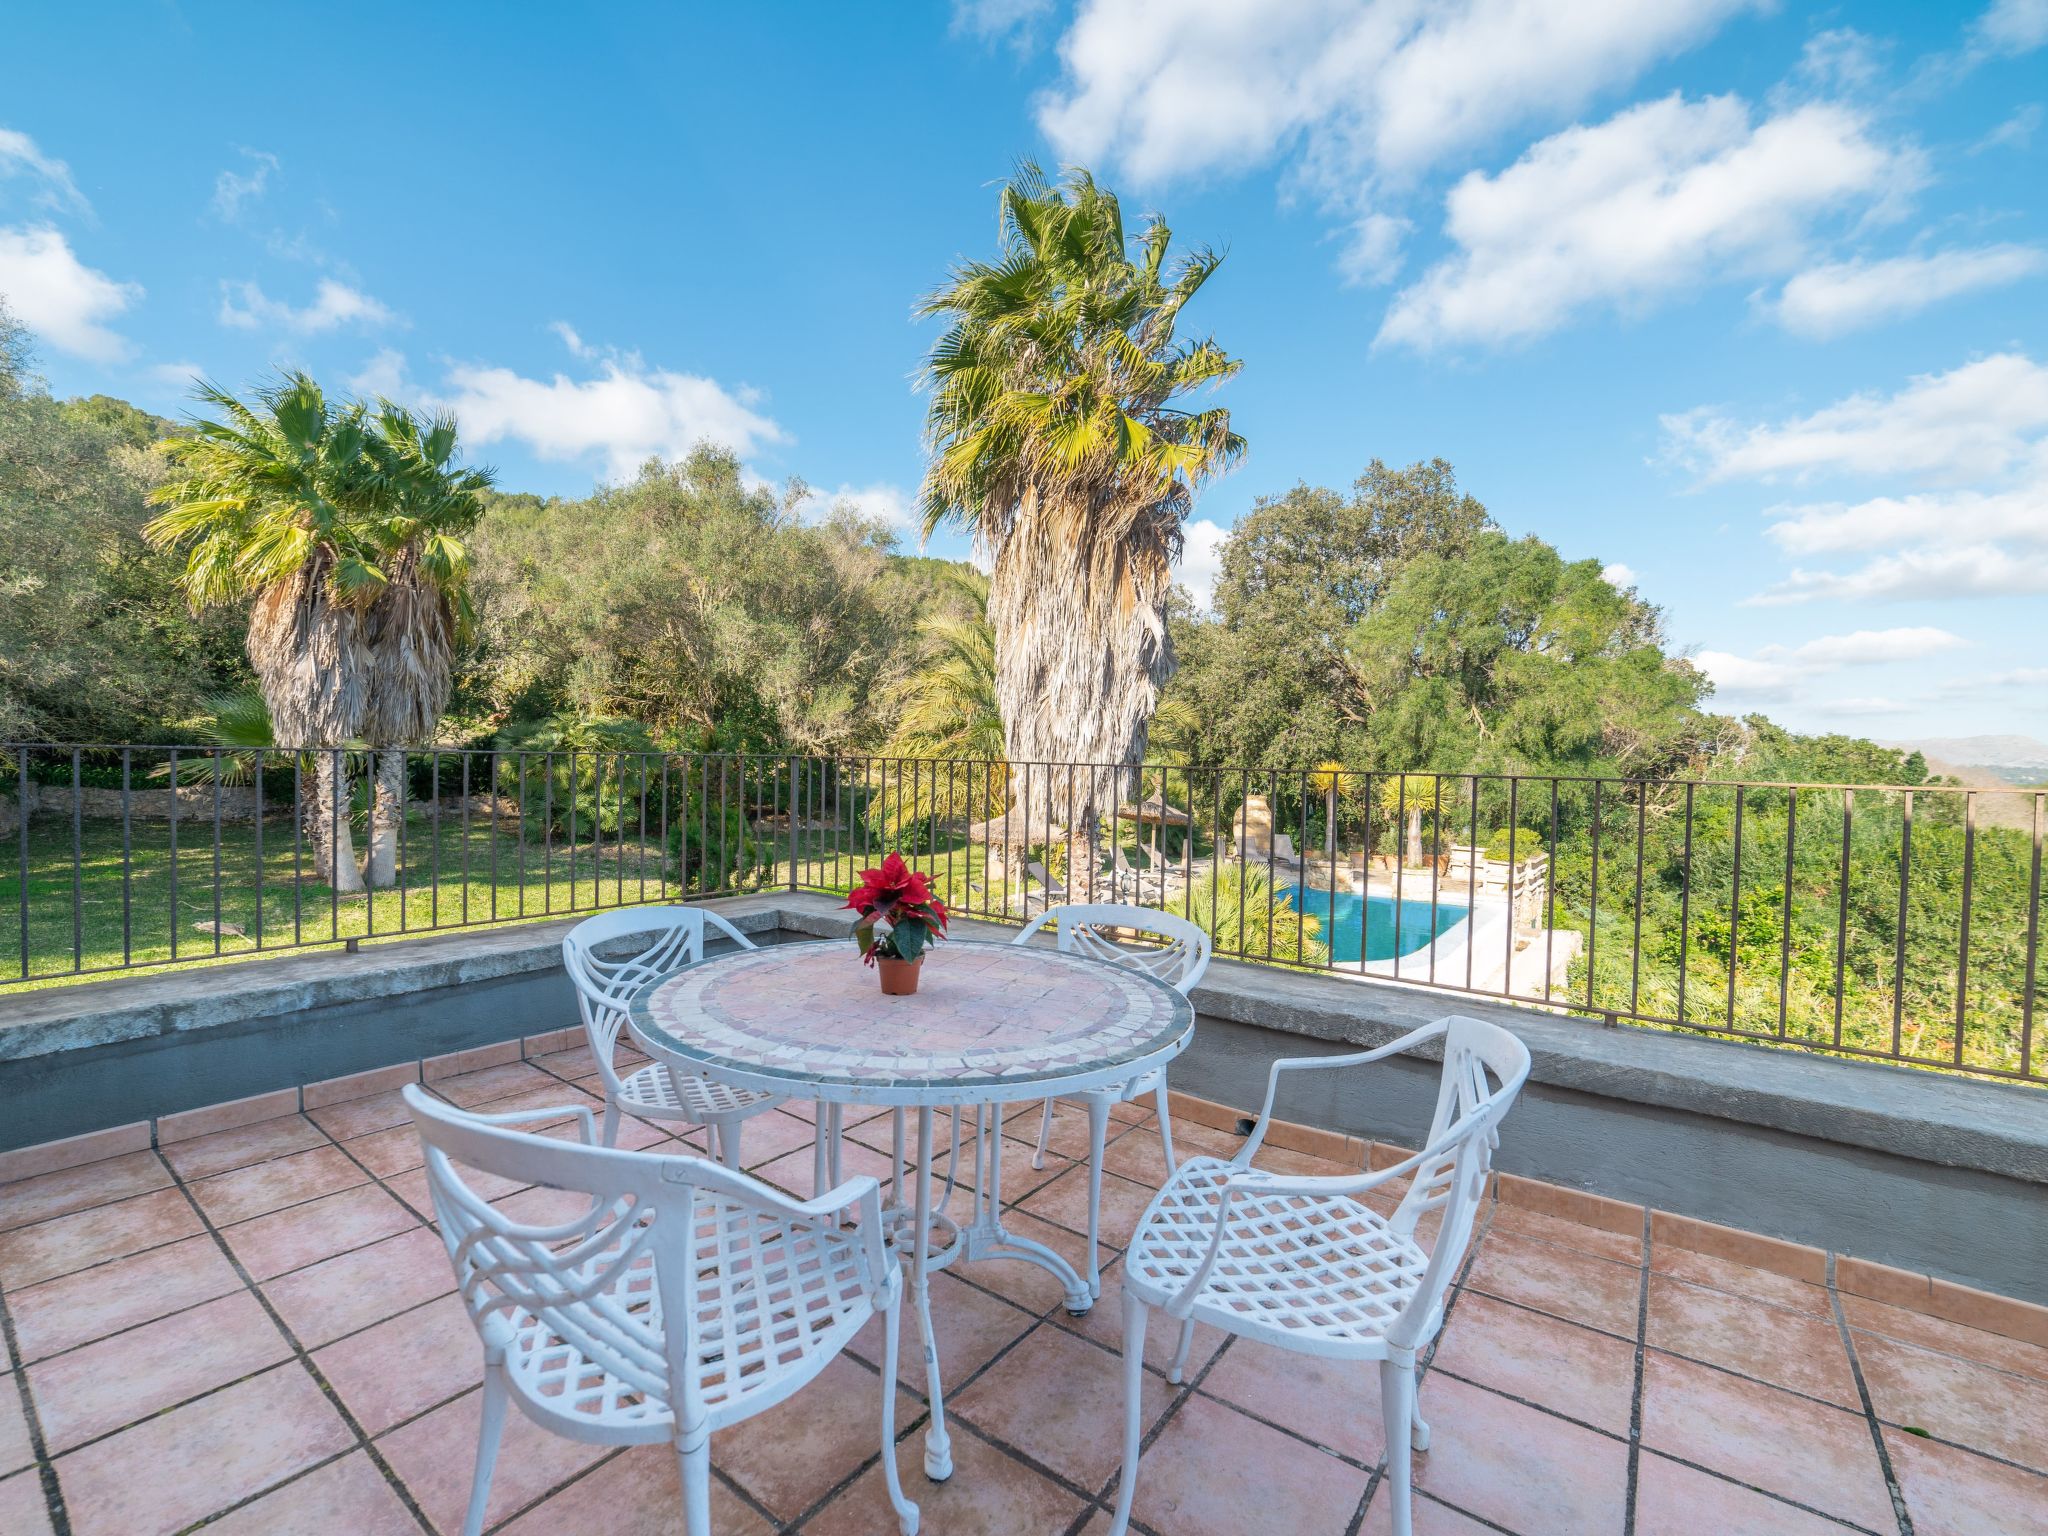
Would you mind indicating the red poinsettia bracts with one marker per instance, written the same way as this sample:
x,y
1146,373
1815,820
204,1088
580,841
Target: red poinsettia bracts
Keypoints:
x,y
899,900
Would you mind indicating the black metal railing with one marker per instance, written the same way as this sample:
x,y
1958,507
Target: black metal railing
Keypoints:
x,y
1899,923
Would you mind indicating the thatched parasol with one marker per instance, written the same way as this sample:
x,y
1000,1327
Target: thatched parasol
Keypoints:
x,y
1156,810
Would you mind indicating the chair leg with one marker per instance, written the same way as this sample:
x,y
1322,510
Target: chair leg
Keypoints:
x,y
729,1144
1397,1412
1180,1351
1165,1129
892,1331
1044,1135
496,1394
1098,1135
1418,1432
696,1467
1134,1414
610,1133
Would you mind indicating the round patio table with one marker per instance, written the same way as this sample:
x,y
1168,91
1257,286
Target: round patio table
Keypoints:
x,y
989,1025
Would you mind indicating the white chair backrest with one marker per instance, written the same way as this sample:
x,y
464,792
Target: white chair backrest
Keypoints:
x,y
672,937
1484,1069
673,1229
1178,957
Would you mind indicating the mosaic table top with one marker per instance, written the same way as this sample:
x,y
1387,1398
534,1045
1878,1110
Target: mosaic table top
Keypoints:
x,y
988,1022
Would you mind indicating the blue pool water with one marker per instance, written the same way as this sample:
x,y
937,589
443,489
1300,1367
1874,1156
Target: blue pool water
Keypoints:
x,y
1364,925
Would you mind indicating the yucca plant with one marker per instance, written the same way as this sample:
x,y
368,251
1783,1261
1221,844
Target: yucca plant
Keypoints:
x,y
1053,439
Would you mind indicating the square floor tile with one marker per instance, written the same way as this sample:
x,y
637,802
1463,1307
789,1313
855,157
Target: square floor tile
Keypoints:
x,y
1622,1247
989,1494
1064,1202
204,1156
1541,1359
473,1090
1059,1400
269,1186
1214,1472
389,1152
405,1364
972,1326
1334,1403
1770,1439
1951,1492
1430,1517
1799,1351
360,1117
794,1454
1674,1500
1517,1466
1104,1323
339,1295
348,1497
1741,1279
639,1492
1031,1287
23,1509
27,1201
66,1244
305,1234
1944,1337
129,1376
1957,1401
17,1450
435,1456
1574,1286
164,1473
78,1308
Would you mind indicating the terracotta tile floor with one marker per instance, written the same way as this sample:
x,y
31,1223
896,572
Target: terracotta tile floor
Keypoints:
x,y
254,1332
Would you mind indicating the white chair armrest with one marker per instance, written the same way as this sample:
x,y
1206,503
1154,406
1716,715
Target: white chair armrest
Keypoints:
x,y
584,1121
1312,1063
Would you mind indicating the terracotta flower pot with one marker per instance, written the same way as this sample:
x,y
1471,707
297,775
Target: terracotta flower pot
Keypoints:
x,y
899,977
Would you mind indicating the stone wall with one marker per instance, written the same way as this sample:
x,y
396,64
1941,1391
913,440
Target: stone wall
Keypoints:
x,y
194,803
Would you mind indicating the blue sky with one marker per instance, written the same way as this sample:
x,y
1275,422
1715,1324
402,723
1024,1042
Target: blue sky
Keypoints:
x,y
1744,300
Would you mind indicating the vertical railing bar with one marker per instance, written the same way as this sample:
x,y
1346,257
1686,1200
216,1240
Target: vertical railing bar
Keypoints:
x,y
1963,942
547,832
682,829
1905,915
298,848
1635,953
1332,840
466,755
1472,884
1436,857
127,856
1785,933
216,850
1400,861
434,826
174,852
1507,968
257,805
2033,942
1272,853
1735,907
334,826
1842,914
1593,905
572,829
21,831
78,868
404,795
640,864
1685,905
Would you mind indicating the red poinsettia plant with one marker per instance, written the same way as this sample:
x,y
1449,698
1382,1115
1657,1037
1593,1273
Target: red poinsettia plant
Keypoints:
x,y
899,916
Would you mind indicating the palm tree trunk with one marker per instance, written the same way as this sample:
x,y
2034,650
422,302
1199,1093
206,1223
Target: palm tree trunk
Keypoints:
x,y
334,853
387,814
1330,825
1414,835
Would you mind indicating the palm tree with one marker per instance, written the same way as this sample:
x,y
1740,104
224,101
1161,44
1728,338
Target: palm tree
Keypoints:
x,y
270,504
1051,437
413,625
1409,795
1328,777
949,712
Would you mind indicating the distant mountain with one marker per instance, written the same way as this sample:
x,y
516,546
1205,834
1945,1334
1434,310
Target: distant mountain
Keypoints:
x,y
2009,757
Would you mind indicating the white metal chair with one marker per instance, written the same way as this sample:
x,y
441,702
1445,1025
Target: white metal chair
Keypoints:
x,y
1178,956
1306,1264
686,1298
605,988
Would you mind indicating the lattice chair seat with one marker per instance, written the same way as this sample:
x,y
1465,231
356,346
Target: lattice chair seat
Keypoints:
x,y
1305,1263
655,1091
683,1297
1325,1272
775,1303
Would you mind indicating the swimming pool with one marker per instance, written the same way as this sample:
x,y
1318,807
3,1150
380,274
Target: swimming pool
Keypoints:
x,y
1364,925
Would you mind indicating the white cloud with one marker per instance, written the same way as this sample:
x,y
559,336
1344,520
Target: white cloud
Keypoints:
x,y
61,299
1779,672
1925,572
246,307
55,190
382,377
1889,521
1201,559
2016,132
1861,708
1662,197
625,414
1843,295
180,375
1359,96
883,503
1615,574
1975,422
231,189
2012,26
571,338
995,19
2019,677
